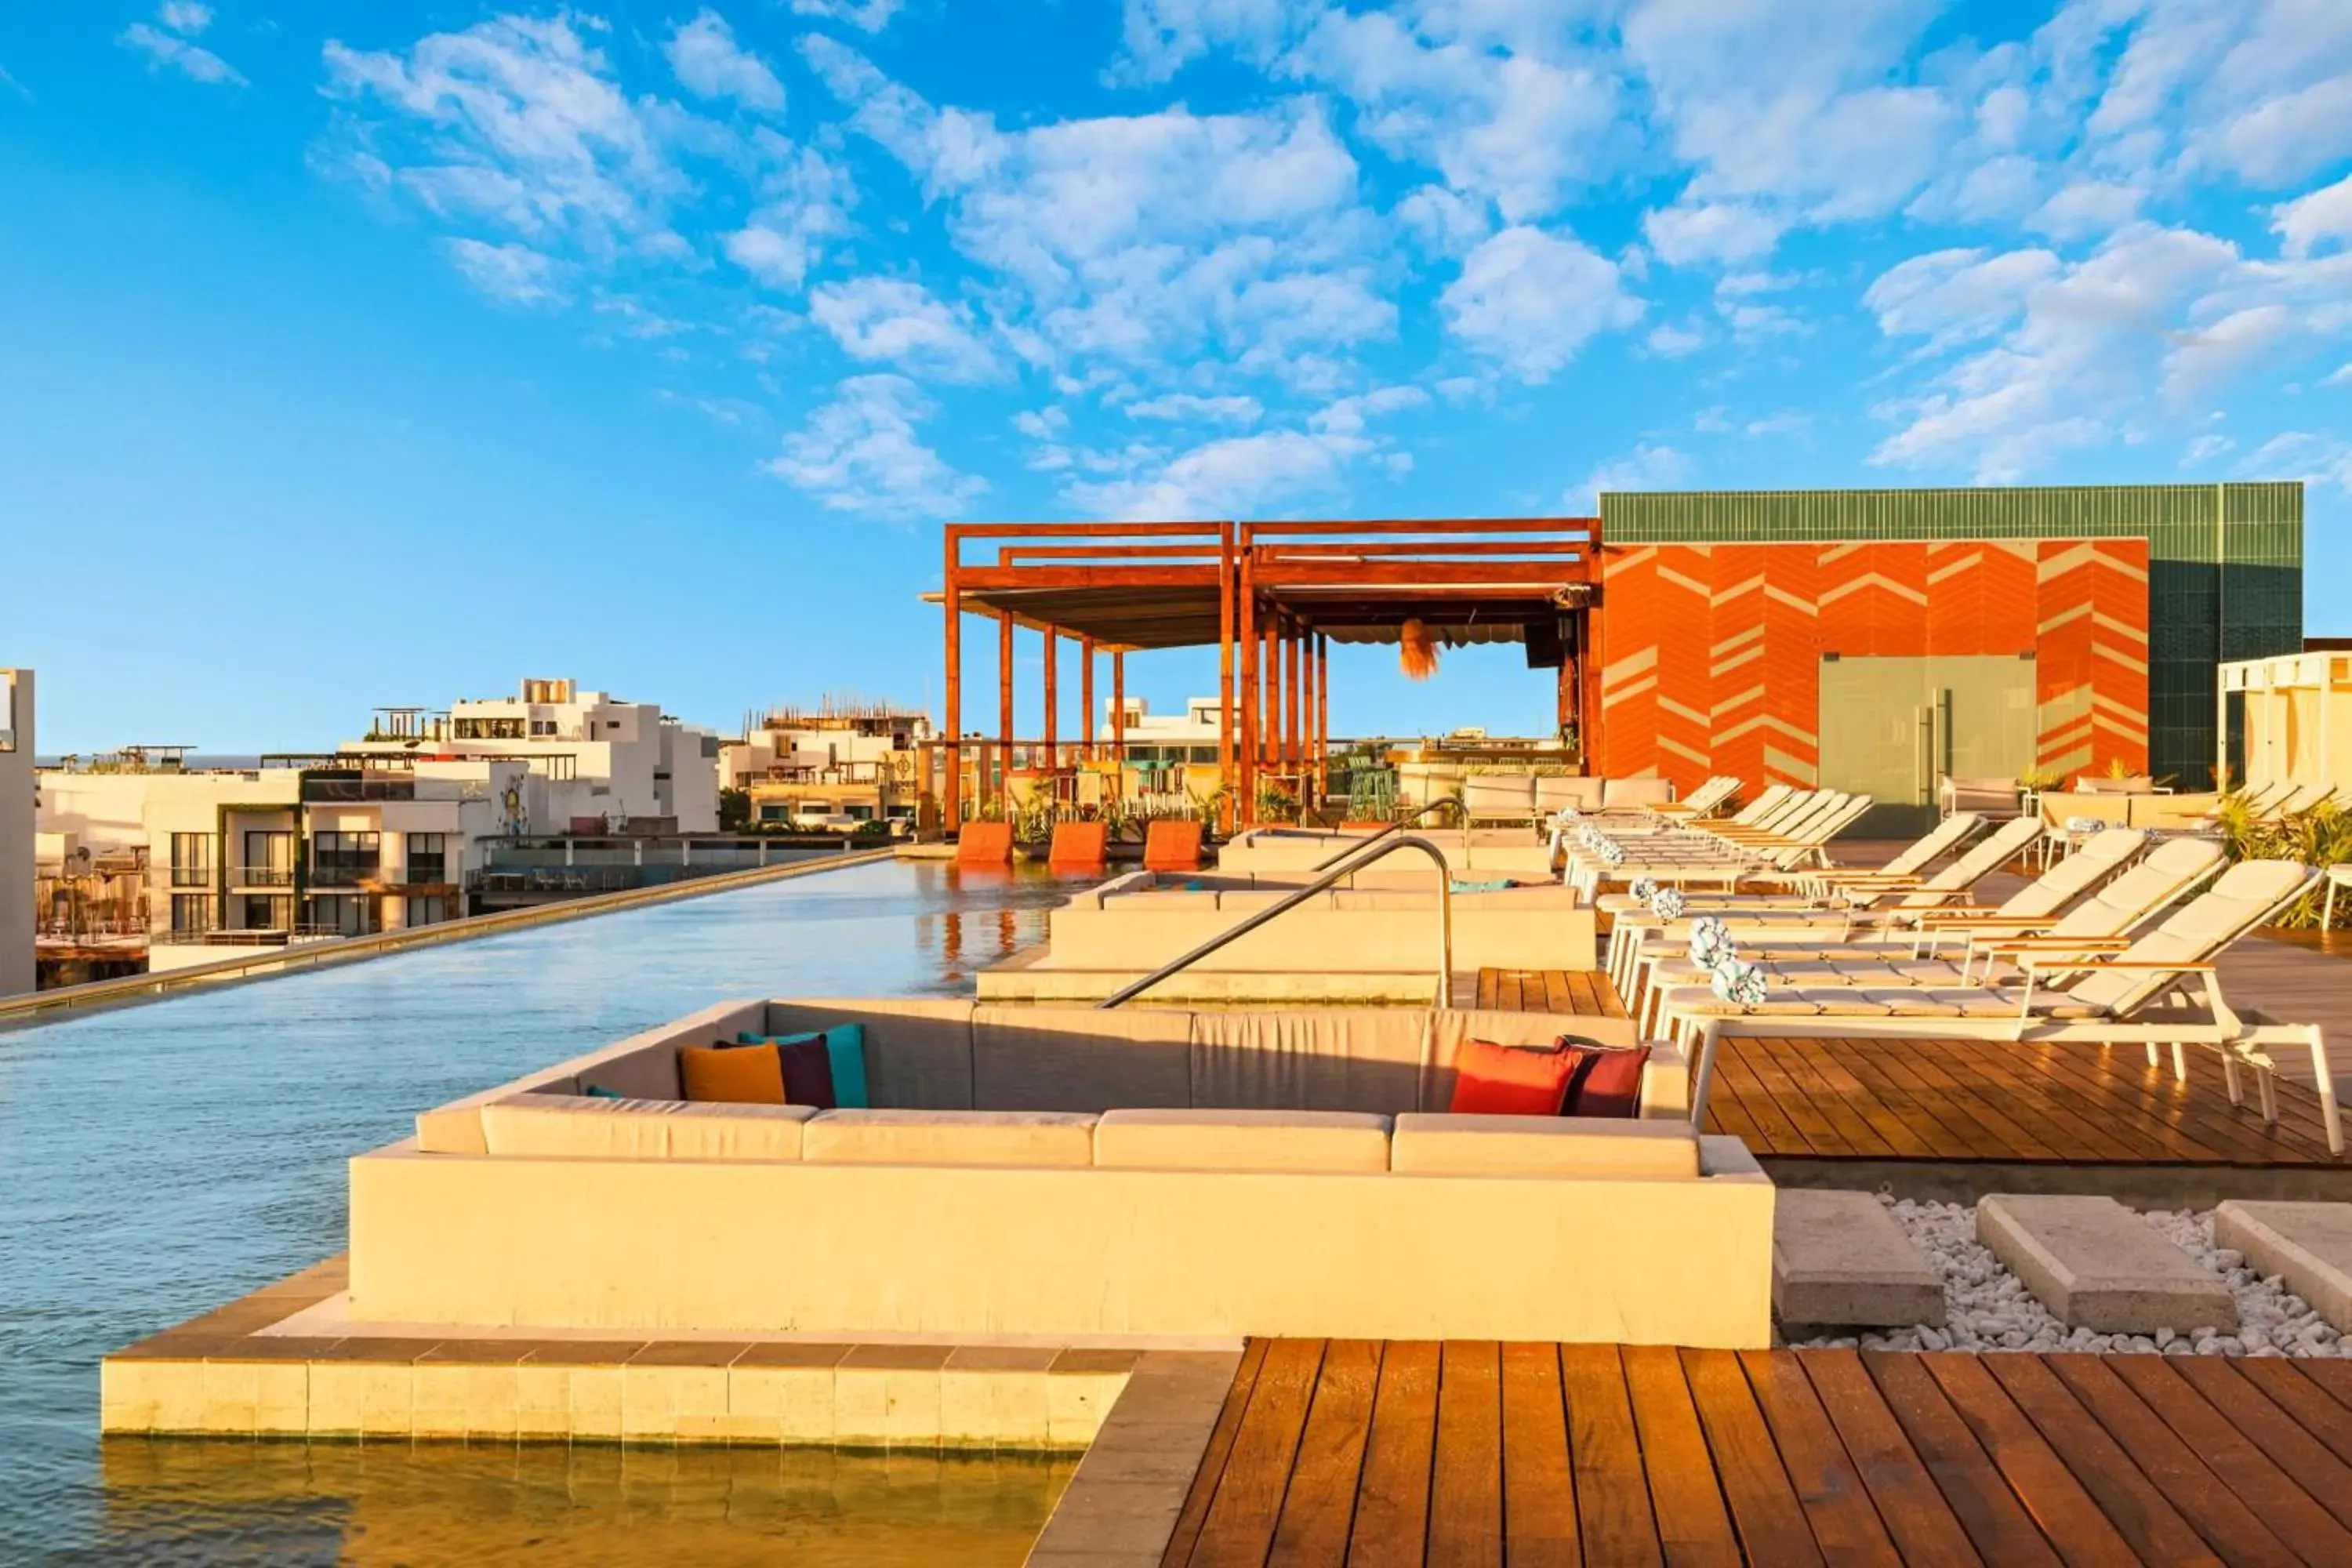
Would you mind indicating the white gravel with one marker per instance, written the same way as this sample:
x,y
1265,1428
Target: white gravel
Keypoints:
x,y
1988,1308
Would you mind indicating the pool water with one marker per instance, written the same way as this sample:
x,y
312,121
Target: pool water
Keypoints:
x,y
160,1160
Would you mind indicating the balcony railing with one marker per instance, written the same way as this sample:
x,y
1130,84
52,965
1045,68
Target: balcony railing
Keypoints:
x,y
192,876
343,873
261,876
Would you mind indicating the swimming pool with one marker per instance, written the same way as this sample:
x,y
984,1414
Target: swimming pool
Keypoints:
x,y
157,1161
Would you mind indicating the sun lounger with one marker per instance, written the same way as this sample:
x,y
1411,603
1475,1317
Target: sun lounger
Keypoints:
x,y
2163,990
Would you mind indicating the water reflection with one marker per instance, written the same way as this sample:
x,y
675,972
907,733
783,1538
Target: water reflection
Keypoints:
x,y
160,1160
181,1500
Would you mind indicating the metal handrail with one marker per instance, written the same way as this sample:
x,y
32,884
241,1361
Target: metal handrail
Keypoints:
x,y
1399,825
1361,857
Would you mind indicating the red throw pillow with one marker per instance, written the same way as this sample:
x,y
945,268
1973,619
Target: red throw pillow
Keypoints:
x,y
1507,1080
1607,1080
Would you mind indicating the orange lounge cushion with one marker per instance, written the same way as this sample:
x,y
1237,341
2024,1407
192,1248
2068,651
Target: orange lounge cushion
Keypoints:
x,y
1508,1081
1172,845
1079,844
733,1075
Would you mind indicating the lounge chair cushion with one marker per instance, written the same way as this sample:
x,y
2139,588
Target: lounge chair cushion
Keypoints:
x,y
552,1126
1172,1140
1541,1146
1505,1080
736,1075
950,1138
1700,1001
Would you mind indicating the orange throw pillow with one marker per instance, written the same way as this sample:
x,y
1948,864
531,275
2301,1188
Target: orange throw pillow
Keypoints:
x,y
738,1075
1505,1080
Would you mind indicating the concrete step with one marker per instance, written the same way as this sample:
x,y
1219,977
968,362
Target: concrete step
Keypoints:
x,y
1841,1258
2308,1244
2098,1266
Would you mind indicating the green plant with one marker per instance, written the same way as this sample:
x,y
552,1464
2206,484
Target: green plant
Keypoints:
x,y
734,810
1276,803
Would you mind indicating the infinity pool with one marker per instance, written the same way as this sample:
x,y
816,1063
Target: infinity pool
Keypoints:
x,y
157,1161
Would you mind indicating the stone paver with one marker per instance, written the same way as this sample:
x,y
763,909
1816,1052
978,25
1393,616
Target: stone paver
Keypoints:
x,y
2309,1244
1121,1506
1839,1257
2098,1266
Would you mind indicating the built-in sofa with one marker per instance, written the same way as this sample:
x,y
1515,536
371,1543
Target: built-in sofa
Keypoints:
x,y
1070,1173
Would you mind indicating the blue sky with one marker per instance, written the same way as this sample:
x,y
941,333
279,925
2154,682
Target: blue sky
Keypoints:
x,y
384,354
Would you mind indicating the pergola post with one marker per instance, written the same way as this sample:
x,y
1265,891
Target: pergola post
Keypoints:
x,y
1005,709
1270,676
1225,595
951,801
1322,716
1053,703
1086,698
1293,728
1119,720
1246,786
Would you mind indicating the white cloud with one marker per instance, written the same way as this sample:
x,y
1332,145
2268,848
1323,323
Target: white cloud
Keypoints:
x,y
511,274
1132,243
2340,376
2312,219
2201,361
866,15
517,120
808,205
2205,449
1669,342
1688,233
13,85
1650,466
860,452
1446,222
1159,37
2087,207
1185,407
901,322
1235,476
1786,422
1951,296
163,48
1531,300
2301,455
707,60
184,16
2090,342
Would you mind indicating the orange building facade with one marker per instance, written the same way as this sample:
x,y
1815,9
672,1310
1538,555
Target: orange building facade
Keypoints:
x,y
1712,658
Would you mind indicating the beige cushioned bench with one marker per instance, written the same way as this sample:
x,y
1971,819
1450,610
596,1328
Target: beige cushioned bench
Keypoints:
x,y
1243,1140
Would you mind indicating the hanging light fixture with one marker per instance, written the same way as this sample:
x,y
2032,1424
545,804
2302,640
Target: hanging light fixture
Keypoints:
x,y
1416,651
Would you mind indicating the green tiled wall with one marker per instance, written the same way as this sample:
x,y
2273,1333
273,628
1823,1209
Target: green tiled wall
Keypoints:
x,y
2225,564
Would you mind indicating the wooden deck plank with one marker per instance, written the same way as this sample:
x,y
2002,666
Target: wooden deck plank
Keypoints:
x,y
1212,1469
2184,1477
1923,1524
2284,1383
1924,1073
1694,1530
2129,1499
1613,1498
1764,1505
2064,1510
1799,1103
1932,1132
1392,1526
1843,1514
1846,1102
1998,1524
1319,1510
1239,1529
2331,1376
1540,1503
2267,1490
2076,1128
2318,1470
1465,1491
1756,1097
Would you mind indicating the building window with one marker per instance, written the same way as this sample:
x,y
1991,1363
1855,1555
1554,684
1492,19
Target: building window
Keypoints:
x,y
542,726
261,912
428,858
192,913
345,859
192,860
268,859
340,914
427,909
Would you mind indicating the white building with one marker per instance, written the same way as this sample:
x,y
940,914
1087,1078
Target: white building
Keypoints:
x,y
18,786
840,766
632,764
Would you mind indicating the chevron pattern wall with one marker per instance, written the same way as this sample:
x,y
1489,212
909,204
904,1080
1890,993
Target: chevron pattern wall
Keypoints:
x,y
1710,655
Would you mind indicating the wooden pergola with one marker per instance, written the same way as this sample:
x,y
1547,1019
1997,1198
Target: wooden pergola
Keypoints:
x,y
1271,597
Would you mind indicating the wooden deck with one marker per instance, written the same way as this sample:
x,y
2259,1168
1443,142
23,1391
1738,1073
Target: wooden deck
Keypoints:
x,y
1965,1101
1375,1454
